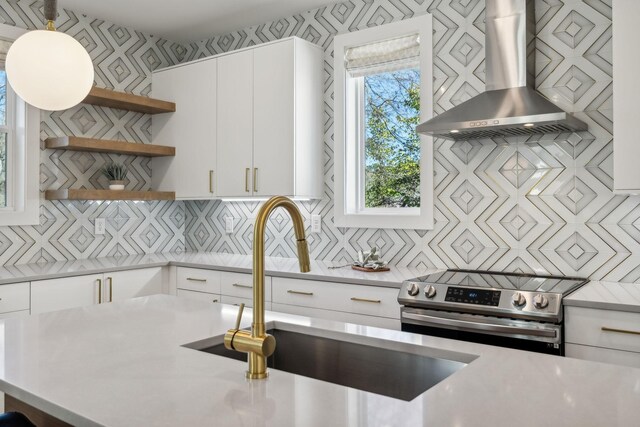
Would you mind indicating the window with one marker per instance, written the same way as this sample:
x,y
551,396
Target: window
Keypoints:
x,y
383,168
19,148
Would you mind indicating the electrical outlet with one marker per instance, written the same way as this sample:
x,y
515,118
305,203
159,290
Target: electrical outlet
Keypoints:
x,y
228,224
100,225
316,223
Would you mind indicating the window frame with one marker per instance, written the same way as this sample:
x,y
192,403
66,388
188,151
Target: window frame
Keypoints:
x,y
23,154
348,150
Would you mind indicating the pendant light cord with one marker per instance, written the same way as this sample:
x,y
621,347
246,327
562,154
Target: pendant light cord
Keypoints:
x,y
50,13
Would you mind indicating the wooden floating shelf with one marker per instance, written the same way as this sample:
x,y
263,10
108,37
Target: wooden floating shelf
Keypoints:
x,y
83,194
126,101
75,143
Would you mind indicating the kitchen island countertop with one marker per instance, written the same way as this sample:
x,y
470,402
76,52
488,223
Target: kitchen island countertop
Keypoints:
x,y
124,364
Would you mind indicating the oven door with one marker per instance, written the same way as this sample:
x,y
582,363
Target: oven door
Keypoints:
x,y
518,334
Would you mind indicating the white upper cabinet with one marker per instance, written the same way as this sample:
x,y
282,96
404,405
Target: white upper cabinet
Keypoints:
x,y
248,124
235,124
274,119
626,92
270,121
191,129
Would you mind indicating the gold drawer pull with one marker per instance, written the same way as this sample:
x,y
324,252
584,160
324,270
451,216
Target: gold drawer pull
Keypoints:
x,y
193,279
240,285
211,181
99,291
621,331
375,301
299,292
246,179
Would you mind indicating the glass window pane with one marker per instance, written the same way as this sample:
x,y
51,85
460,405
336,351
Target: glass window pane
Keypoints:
x,y
392,146
3,169
3,98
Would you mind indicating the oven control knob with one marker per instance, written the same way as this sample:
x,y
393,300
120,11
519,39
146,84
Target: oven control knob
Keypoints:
x,y
413,289
519,300
540,301
430,291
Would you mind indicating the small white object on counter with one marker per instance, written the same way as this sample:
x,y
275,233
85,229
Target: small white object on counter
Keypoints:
x,y
125,364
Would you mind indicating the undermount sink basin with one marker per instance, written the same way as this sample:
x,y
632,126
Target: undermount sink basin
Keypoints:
x,y
369,366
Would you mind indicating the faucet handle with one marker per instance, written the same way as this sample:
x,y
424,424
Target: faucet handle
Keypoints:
x,y
239,318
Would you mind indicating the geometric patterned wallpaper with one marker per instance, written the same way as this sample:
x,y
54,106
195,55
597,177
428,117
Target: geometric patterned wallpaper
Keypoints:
x,y
534,204
123,59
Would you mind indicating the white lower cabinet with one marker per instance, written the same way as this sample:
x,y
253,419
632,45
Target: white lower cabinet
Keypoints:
x,y
201,296
197,279
367,305
14,299
80,291
364,305
603,335
248,302
67,292
142,282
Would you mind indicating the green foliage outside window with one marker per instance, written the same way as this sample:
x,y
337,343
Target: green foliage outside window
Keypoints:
x,y
392,146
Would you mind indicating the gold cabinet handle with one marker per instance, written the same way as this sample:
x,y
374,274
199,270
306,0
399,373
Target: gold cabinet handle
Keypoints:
x,y
375,301
99,291
211,181
110,279
290,291
246,179
240,285
621,331
193,279
255,179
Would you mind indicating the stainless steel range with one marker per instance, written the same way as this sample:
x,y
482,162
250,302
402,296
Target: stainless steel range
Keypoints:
x,y
506,309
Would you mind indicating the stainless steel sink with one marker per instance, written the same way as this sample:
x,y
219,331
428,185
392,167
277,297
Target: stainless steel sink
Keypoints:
x,y
401,374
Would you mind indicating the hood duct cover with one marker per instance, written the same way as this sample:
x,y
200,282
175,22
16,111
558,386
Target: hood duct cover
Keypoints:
x,y
510,106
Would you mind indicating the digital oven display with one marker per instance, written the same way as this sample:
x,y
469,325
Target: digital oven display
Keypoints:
x,y
473,296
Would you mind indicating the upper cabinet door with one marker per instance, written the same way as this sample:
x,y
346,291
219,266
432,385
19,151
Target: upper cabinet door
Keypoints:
x,y
626,92
235,124
191,129
274,119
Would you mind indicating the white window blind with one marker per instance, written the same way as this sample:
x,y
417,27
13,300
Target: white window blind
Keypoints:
x,y
4,48
383,56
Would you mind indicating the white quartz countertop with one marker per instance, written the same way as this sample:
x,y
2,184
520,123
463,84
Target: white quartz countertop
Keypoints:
x,y
283,267
606,296
124,364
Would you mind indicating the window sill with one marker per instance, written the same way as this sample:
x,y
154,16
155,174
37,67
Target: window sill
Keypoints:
x,y
389,220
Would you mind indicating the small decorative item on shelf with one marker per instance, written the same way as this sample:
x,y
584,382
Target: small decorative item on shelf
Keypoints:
x,y
368,261
116,173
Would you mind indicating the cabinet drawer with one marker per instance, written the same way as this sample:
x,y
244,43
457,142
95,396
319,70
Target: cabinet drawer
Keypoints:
x,y
248,302
202,296
605,355
358,319
199,280
14,297
241,285
368,300
603,328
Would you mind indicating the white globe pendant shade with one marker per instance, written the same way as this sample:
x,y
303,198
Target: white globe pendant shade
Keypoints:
x,y
49,70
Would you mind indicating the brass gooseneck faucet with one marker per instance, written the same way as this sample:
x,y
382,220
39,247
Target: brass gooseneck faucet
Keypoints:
x,y
258,343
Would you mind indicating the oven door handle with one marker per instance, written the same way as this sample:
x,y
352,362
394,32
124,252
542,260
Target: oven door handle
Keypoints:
x,y
473,326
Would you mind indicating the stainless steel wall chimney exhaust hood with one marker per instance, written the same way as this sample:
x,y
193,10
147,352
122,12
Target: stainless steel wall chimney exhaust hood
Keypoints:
x,y
510,106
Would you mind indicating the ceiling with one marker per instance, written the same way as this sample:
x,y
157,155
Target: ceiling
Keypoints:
x,y
190,20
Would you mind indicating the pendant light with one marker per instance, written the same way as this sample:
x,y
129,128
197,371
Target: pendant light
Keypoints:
x,y
48,69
